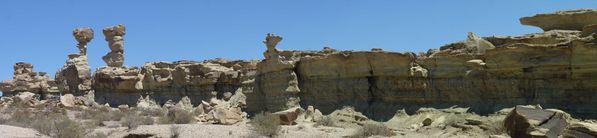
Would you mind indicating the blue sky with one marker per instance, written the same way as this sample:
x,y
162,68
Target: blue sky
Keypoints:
x,y
40,32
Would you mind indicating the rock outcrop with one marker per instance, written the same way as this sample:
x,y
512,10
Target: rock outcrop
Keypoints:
x,y
114,35
26,80
75,75
117,85
276,82
197,80
563,20
555,68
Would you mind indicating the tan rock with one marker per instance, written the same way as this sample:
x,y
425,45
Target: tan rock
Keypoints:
x,y
228,116
185,104
67,100
26,98
26,80
114,35
271,40
83,36
289,116
477,45
311,115
532,122
563,20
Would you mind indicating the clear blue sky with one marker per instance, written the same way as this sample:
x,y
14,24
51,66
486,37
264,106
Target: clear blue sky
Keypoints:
x,y
40,32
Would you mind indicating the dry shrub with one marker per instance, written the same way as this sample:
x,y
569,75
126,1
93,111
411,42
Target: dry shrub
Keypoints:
x,y
58,125
266,124
373,129
100,114
177,116
132,120
21,117
155,112
174,131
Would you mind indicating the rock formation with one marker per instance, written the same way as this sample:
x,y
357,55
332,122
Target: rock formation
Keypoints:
x,y
563,20
114,35
477,45
117,85
83,36
75,75
172,80
276,82
555,68
525,122
26,80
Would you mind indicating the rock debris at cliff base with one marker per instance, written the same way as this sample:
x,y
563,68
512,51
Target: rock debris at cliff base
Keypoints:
x,y
555,69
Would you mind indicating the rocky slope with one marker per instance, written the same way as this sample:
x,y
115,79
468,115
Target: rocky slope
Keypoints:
x,y
554,68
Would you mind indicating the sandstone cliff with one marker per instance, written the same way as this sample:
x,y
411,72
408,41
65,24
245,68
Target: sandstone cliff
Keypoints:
x,y
554,68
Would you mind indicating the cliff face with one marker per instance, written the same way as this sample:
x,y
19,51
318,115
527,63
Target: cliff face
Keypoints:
x,y
164,81
556,69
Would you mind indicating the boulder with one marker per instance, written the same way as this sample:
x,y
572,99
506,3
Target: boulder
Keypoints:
x,y
26,98
227,116
527,122
67,100
312,115
288,117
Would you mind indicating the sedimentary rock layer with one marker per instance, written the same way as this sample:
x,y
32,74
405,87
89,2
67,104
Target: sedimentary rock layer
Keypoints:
x,y
556,68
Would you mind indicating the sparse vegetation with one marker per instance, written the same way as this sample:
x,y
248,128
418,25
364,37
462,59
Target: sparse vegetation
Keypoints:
x,y
57,125
266,124
132,120
177,116
373,129
174,131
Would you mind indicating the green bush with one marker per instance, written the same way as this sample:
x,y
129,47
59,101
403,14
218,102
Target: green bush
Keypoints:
x,y
266,124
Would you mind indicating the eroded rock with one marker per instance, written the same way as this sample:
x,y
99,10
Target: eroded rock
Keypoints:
x,y
562,20
26,80
114,35
75,75
525,122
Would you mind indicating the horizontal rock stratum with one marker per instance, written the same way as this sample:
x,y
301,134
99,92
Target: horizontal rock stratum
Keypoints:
x,y
556,68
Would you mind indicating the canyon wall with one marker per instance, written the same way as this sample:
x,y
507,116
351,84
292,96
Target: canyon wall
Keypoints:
x,y
556,68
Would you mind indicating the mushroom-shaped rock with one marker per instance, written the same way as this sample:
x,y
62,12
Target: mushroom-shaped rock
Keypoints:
x,y
83,36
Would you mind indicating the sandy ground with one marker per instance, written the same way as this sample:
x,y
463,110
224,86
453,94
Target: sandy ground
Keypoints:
x,y
224,131
19,132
